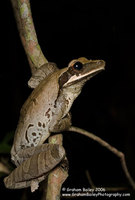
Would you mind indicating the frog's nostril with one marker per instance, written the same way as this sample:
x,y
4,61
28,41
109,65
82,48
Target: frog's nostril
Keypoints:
x,y
101,62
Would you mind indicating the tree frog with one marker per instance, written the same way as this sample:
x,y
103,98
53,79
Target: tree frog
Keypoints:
x,y
46,111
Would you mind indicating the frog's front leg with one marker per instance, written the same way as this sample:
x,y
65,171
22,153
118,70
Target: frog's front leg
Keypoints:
x,y
62,125
38,161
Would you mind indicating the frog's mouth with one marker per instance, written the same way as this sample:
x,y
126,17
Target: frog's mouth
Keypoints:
x,y
89,70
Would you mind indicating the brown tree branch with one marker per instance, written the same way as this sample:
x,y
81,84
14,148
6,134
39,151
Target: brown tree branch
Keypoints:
x,y
57,177
22,12
110,148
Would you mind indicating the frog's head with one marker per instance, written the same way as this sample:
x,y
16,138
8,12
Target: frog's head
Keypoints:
x,y
79,71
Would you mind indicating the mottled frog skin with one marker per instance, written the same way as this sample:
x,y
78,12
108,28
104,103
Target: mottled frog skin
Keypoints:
x,y
46,111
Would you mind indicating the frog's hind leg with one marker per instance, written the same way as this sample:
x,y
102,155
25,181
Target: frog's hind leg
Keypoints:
x,y
41,160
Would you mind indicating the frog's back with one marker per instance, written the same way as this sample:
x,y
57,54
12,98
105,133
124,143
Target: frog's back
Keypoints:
x,y
35,115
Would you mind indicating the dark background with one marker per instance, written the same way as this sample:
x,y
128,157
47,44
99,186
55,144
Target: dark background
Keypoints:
x,y
96,29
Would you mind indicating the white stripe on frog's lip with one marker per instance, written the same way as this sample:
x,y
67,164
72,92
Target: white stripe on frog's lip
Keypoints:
x,y
79,77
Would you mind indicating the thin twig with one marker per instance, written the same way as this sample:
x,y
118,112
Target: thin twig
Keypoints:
x,y
90,179
110,148
4,168
109,189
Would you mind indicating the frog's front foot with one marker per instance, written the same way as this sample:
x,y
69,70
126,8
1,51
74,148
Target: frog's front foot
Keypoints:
x,y
62,125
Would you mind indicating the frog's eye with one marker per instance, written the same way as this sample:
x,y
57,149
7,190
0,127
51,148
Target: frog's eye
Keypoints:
x,y
77,66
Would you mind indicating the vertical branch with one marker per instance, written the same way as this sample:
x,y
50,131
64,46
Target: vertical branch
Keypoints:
x,y
57,177
22,12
